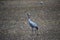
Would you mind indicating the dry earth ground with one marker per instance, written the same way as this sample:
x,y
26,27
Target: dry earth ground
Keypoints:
x,y
13,19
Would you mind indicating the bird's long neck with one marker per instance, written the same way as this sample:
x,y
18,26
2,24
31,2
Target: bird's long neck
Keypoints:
x,y
28,17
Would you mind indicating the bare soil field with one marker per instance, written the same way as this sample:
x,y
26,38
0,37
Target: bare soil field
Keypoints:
x,y
13,19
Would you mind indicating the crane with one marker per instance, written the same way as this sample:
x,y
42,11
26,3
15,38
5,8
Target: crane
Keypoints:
x,y
31,23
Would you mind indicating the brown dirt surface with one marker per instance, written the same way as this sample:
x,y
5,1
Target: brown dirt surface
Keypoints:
x,y
13,19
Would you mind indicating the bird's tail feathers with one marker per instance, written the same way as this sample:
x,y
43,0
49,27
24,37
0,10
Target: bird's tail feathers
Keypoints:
x,y
36,28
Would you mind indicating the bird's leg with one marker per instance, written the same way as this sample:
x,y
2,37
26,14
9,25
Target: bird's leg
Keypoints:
x,y
36,32
32,34
32,31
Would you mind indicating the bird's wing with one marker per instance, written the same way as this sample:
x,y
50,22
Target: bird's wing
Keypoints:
x,y
33,23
